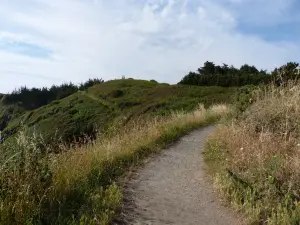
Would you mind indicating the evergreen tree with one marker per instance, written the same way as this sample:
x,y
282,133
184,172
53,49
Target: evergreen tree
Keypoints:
x,y
34,98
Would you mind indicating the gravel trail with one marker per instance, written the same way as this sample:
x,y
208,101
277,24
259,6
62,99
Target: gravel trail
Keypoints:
x,y
173,188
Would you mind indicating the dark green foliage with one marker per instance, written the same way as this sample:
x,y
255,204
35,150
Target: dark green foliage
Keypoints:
x,y
90,83
7,114
289,71
212,75
244,97
34,98
154,81
116,93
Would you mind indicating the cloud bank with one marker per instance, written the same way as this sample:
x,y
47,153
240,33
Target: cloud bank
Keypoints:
x,y
46,42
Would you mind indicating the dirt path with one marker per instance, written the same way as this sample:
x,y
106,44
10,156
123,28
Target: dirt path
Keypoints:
x,y
173,188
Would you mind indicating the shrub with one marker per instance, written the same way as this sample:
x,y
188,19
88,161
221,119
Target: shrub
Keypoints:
x,y
116,93
245,97
154,81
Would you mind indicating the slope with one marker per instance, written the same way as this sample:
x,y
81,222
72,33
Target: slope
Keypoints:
x,y
106,105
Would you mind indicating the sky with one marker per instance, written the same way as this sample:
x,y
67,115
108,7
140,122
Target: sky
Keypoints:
x,y
45,42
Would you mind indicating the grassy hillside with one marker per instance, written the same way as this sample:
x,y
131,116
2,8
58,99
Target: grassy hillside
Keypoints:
x,y
256,158
132,119
79,186
106,105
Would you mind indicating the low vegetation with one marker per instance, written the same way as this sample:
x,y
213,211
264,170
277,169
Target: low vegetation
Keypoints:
x,y
104,105
78,185
255,158
85,109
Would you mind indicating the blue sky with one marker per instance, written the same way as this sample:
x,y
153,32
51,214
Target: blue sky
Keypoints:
x,y
45,42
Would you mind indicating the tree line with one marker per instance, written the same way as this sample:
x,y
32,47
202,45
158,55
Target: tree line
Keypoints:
x,y
33,98
207,75
226,76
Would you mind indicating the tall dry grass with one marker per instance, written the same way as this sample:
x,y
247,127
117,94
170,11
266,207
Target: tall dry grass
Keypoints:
x,y
258,157
80,183
136,135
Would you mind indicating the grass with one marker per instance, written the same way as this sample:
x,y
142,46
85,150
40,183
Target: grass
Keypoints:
x,y
78,186
107,104
255,158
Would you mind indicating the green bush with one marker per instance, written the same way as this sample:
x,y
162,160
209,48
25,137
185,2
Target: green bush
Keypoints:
x,y
116,93
154,81
244,97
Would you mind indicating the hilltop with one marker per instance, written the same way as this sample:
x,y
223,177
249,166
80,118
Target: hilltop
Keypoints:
x,y
105,105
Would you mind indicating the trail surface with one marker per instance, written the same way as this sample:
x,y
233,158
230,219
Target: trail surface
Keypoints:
x,y
173,188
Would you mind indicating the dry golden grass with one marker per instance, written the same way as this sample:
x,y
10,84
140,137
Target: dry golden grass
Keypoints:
x,y
76,164
78,186
125,148
260,157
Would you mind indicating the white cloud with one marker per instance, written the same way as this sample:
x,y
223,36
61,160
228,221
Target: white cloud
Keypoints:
x,y
154,39
264,12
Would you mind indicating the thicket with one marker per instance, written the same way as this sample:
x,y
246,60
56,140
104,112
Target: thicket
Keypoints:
x,y
33,98
226,76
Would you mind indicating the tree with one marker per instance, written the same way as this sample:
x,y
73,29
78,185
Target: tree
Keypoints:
x,y
211,75
34,98
208,68
289,71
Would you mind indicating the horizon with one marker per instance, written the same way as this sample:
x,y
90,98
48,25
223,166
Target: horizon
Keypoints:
x,y
50,42
112,79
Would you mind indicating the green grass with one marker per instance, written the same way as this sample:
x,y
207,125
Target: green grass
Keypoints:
x,y
45,181
79,186
107,104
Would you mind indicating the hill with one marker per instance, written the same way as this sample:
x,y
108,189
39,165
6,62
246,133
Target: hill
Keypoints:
x,y
105,105
81,185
